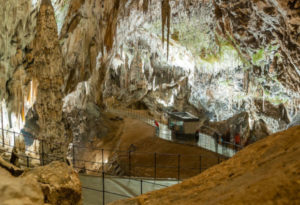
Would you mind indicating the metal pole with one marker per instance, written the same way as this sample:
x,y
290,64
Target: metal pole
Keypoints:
x,y
178,167
27,161
141,186
200,164
103,188
102,154
155,165
129,162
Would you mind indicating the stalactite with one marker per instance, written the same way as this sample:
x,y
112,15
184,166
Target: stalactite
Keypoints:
x,y
145,5
165,17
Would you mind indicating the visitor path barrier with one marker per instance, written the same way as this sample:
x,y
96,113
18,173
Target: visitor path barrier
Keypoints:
x,y
227,149
156,170
105,189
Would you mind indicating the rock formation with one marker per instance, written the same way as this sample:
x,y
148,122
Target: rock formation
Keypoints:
x,y
48,72
55,183
265,172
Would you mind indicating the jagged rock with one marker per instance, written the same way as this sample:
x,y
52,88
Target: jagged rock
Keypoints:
x,y
56,184
258,132
15,171
59,182
18,190
276,112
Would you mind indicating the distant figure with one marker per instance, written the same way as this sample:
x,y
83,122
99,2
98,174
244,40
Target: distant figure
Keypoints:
x,y
237,140
157,127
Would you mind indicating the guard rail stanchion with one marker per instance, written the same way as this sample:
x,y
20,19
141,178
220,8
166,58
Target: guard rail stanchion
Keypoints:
x,y
103,188
178,174
129,162
141,186
155,165
102,154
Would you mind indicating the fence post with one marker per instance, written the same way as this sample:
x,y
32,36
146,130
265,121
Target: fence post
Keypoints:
x,y
102,154
27,159
103,188
200,163
129,162
141,186
178,177
74,155
155,165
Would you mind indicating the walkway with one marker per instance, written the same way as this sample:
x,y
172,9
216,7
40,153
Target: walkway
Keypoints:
x,y
205,141
95,192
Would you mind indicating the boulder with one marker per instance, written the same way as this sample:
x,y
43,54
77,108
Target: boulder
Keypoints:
x,y
18,190
59,182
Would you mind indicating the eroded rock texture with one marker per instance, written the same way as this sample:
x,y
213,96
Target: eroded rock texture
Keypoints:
x,y
255,25
56,183
48,72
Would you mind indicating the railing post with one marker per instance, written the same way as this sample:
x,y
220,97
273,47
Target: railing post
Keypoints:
x,y
178,174
155,165
103,188
102,154
141,186
129,162
200,163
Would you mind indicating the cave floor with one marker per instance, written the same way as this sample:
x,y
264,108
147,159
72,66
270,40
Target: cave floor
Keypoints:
x,y
191,159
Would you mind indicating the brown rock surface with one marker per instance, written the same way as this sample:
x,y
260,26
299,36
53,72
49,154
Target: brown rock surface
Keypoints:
x,y
48,70
267,172
59,182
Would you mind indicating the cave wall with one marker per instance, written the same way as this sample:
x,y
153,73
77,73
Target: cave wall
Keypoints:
x,y
225,57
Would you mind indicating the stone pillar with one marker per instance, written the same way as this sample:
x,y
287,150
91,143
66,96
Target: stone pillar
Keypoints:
x,y
48,70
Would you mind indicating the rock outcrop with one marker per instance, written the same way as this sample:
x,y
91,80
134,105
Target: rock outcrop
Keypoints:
x,y
267,172
59,182
55,184
19,190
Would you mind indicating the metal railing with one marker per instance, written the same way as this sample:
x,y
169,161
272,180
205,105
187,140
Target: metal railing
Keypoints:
x,y
151,166
224,148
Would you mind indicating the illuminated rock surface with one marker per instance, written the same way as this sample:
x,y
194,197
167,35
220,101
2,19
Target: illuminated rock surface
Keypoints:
x,y
266,172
